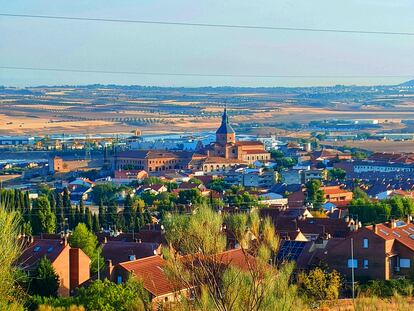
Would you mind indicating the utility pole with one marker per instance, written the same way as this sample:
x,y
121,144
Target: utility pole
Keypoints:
x,y
99,272
352,271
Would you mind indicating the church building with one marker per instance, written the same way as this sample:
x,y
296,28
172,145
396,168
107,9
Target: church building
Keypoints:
x,y
226,152
228,147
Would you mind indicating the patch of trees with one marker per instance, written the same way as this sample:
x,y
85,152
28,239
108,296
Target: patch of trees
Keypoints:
x,y
370,212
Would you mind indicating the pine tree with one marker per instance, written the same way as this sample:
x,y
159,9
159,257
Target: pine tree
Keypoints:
x,y
46,281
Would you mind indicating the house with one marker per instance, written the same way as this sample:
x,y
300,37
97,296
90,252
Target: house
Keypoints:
x,y
273,199
70,264
382,251
151,270
336,195
292,176
388,194
130,174
251,177
79,193
121,251
153,189
319,174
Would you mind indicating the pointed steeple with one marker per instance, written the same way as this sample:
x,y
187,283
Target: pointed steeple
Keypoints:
x,y
225,133
225,127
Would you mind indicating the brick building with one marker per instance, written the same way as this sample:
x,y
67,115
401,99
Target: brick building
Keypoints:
x,y
383,251
70,264
226,152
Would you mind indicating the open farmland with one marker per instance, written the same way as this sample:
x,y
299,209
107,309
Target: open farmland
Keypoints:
x,y
378,146
120,109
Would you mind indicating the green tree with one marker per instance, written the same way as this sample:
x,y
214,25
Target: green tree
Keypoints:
x,y
66,199
224,286
101,214
358,193
318,284
217,184
101,296
42,218
314,193
45,281
88,219
104,192
192,196
337,174
84,239
11,294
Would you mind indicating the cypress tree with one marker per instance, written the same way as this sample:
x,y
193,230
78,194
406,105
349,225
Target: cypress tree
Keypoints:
x,y
101,214
60,210
72,218
111,216
88,219
127,213
66,199
95,223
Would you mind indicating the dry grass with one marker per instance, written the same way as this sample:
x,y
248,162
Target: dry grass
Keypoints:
x,y
378,146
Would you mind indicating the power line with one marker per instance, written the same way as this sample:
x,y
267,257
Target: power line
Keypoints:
x,y
194,74
228,26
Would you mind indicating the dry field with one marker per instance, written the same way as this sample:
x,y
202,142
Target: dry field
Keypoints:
x,y
378,146
39,111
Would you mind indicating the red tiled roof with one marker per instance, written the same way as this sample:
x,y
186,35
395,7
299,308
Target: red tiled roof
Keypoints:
x,y
334,190
151,271
119,251
37,250
258,151
248,143
404,233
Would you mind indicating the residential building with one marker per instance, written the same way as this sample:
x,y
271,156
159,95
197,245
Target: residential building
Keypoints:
x,y
251,177
320,174
70,264
337,195
383,251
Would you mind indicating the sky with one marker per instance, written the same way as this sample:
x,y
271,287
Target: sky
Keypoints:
x,y
175,49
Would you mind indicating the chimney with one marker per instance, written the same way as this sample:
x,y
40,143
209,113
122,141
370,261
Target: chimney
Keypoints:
x,y
109,269
105,240
393,224
375,228
65,241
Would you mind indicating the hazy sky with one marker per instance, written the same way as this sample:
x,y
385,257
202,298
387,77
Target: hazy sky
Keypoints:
x,y
158,48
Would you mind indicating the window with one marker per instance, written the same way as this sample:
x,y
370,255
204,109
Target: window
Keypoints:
x,y
119,279
365,263
365,243
352,263
36,249
405,263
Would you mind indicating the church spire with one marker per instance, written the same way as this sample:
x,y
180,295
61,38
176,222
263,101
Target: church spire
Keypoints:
x,y
225,133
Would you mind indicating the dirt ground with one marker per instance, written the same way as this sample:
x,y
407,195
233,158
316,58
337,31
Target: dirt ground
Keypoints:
x,y
378,146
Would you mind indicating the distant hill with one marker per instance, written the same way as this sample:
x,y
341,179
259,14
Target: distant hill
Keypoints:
x,y
408,83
